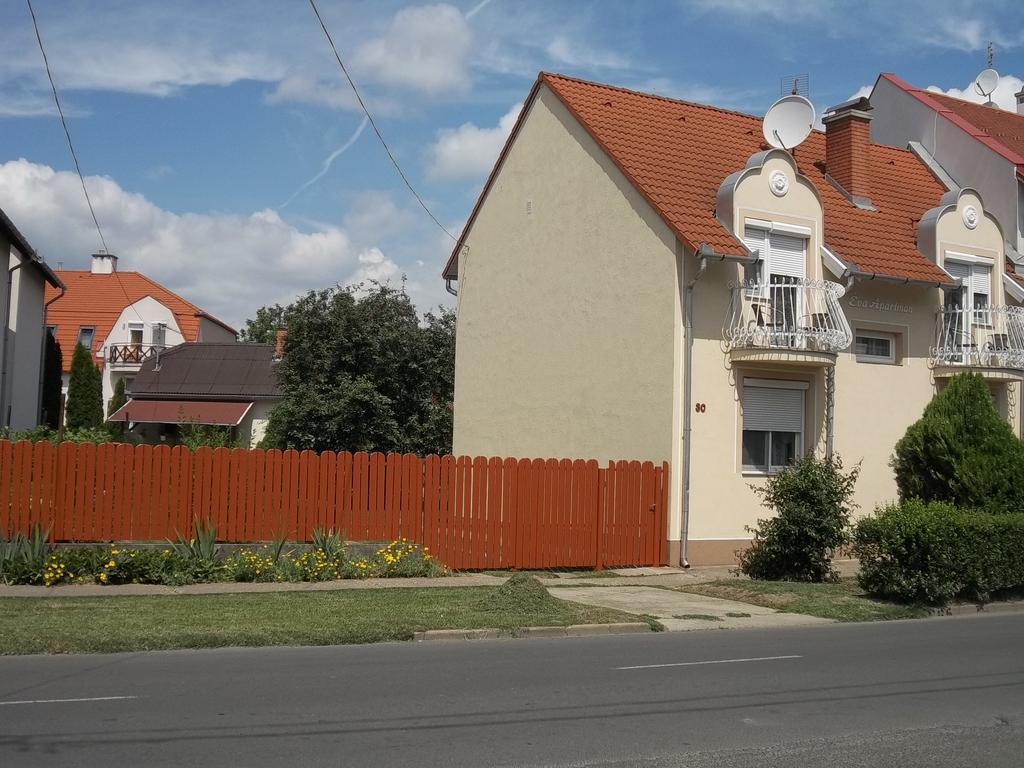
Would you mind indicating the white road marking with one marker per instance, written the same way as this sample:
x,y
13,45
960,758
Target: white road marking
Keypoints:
x,y
66,701
716,661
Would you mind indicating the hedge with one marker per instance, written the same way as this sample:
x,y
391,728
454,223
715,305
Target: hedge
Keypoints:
x,y
935,552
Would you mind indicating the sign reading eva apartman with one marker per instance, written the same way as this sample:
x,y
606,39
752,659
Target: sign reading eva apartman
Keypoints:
x,y
879,305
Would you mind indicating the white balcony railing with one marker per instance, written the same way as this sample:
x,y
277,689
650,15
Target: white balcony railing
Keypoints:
x,y
787,314
131,354
990,337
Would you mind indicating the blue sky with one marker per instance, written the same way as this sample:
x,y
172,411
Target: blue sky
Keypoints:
x,y
197,123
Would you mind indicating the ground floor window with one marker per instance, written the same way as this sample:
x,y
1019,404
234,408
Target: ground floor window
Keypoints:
x,y
773,423
875,347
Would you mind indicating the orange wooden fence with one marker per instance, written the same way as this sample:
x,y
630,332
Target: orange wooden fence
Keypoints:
x,y
469,512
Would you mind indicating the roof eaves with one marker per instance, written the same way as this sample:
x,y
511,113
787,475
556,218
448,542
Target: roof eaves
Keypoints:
x,y
451,269
26,250
686,239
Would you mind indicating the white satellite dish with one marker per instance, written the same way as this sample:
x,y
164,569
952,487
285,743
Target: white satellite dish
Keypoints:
x,y
788,122
985,83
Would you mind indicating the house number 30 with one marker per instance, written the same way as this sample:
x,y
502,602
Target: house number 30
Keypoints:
x,y
700,407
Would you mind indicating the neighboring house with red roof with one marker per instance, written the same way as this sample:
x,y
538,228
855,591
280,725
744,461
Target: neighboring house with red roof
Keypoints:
x,y
23,283
970,145
124,318
645,278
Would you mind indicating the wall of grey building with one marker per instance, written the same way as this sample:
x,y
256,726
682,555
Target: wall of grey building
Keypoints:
x,y
25,363
898,118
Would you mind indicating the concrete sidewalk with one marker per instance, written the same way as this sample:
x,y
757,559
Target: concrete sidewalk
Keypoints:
x,y
624,577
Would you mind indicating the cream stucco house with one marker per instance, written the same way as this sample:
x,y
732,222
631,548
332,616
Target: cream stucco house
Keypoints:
x,y
644,278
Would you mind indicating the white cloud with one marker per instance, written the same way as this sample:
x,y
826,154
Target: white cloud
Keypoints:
x,y
228,264
373,215
425,49
469,150
1003,95
574,53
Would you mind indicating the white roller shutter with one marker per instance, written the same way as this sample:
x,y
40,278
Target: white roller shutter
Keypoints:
x,y
981,280
787,255
754,239
959,271
773,409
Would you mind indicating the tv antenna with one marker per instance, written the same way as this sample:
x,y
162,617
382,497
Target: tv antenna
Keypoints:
x,y
788,122
795,85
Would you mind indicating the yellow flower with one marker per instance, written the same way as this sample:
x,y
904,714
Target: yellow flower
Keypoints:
x,y
103,577
111,564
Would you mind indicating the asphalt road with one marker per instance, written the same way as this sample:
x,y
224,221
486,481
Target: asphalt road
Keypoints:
x,y
944,692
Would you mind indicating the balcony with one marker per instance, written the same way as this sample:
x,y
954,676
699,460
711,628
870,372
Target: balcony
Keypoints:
x,y
792,320
987,339
131,355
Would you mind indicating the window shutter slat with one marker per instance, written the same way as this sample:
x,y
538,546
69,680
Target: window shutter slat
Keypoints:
x,y
754,240
981,280
767,409
959,271
787,255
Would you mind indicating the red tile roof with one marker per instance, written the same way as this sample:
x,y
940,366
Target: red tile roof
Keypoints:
x,y
677,154
98,300
999,130
182,412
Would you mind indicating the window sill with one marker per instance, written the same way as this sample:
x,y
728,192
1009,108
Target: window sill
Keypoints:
x,y
876,361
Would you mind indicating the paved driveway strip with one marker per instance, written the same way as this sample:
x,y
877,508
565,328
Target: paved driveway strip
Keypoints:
x,y
680,611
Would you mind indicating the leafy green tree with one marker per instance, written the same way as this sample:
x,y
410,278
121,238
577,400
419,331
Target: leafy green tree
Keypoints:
x,y
263,328
116,429
962,451
84,408
363,371
53,364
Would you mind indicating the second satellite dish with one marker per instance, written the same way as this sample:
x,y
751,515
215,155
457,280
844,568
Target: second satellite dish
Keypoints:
x,y
985,84
788,122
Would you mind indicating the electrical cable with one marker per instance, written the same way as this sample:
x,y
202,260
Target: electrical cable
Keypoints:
x,y
373,124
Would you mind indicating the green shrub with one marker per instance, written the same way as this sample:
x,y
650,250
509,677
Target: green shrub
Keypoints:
x,y
961,451
811,499
934,552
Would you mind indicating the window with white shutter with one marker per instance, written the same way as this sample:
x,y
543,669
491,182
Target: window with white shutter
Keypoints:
x,y
783,256
773,423
981,293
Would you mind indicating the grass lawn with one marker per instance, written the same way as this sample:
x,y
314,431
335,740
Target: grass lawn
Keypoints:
x,y
109,624
842,601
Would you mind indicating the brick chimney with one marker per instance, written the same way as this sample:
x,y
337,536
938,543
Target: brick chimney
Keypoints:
x,y
848,148
104,263
1020,101
282,334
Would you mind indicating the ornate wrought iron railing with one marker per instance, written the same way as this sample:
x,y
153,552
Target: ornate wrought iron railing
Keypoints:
x,y
787,314
990,337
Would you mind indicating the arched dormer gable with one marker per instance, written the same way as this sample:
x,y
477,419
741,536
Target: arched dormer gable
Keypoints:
x,y
771,193
960,224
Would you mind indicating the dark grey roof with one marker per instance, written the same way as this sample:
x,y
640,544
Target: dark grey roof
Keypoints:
x,y
198,370
26,250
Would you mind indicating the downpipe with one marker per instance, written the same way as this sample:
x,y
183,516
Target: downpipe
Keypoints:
x,y
688,408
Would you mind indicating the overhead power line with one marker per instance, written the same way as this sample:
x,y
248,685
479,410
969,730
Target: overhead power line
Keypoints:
x,y
64,122
74,156
373,124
